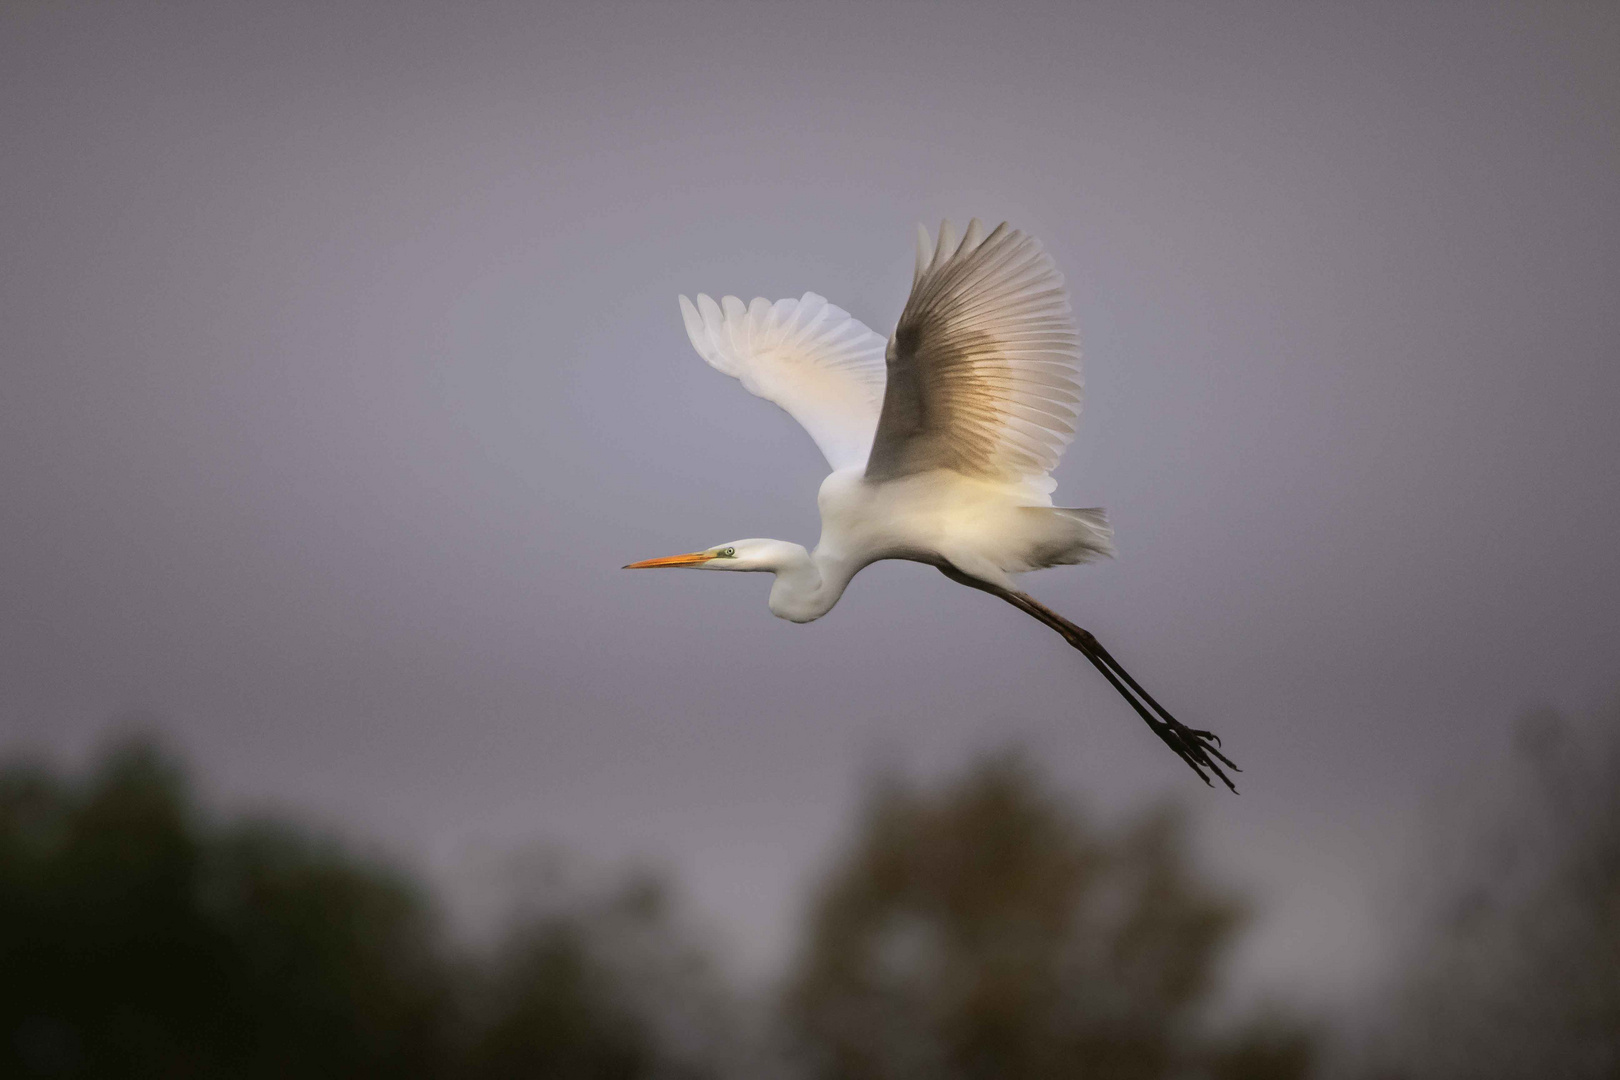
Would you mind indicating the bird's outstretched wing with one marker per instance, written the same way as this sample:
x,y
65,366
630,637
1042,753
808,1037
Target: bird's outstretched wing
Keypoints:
x,y
984,366
810,357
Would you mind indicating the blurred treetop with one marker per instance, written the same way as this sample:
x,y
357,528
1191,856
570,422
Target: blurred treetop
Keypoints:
x,y
987,930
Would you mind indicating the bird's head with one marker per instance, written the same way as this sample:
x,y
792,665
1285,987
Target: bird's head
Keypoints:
x,y
757,555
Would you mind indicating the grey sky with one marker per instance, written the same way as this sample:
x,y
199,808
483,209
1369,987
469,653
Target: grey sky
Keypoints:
x,y
342,370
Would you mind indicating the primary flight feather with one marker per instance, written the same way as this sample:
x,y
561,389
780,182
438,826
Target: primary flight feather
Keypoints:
x,y
941,438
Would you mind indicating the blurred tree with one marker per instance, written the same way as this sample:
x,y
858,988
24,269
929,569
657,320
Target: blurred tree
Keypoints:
x,y
553,1014
136,942
984,931
1515,970
139,939
602,983
978,932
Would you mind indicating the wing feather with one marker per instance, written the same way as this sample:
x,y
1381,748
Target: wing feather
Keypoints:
x,y
984,366
812,358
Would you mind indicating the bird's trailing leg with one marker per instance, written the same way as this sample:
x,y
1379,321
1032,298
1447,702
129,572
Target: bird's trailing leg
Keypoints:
x,y
1199,749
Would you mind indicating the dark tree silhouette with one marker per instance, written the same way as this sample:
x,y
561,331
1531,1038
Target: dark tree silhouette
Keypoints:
x,y
140,939
985,930
981,932
601,983
1515,968
137,942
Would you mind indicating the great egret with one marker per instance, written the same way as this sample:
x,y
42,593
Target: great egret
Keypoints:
x,y
941,440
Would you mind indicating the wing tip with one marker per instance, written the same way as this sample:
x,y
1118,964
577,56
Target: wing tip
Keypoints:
x,y
934,251
973,237
947,241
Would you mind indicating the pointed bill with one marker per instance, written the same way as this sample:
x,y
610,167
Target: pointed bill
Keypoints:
x,y
694,558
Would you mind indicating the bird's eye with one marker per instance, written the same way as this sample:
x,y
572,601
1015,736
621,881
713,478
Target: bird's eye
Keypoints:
x,y
728,553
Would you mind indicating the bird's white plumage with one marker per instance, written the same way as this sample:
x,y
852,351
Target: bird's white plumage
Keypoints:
x,y
812,358
941,439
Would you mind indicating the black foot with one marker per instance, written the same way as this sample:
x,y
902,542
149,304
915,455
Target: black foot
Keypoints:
x,y
1199,749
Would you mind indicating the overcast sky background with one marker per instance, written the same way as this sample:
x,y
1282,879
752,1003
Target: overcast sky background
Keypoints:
x,y
343,369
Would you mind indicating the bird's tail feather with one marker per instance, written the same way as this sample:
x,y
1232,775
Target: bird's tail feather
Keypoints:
x,y
1064,535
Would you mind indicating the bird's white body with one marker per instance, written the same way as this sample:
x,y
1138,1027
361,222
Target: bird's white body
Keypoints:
x,y
941,438
985,529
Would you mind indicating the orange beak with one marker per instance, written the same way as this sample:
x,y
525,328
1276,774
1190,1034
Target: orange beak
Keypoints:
x,y
696,558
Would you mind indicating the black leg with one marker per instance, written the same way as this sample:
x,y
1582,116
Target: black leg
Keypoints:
x,y
1199,749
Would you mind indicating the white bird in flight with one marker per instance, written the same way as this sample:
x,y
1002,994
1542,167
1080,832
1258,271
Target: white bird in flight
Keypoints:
x,y
941,440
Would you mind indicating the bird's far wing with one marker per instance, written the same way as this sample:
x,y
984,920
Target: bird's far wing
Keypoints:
x,y
984,366
810,357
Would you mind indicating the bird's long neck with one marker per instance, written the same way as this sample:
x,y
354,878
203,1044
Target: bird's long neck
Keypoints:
x,y
808,583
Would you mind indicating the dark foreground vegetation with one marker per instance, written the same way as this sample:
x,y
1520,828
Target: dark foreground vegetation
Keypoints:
x,y
1513,960
981,929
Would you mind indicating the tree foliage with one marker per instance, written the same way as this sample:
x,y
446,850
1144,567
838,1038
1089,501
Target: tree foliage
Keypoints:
x,y
982,931
135,942
987,930
1514,970
140,939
